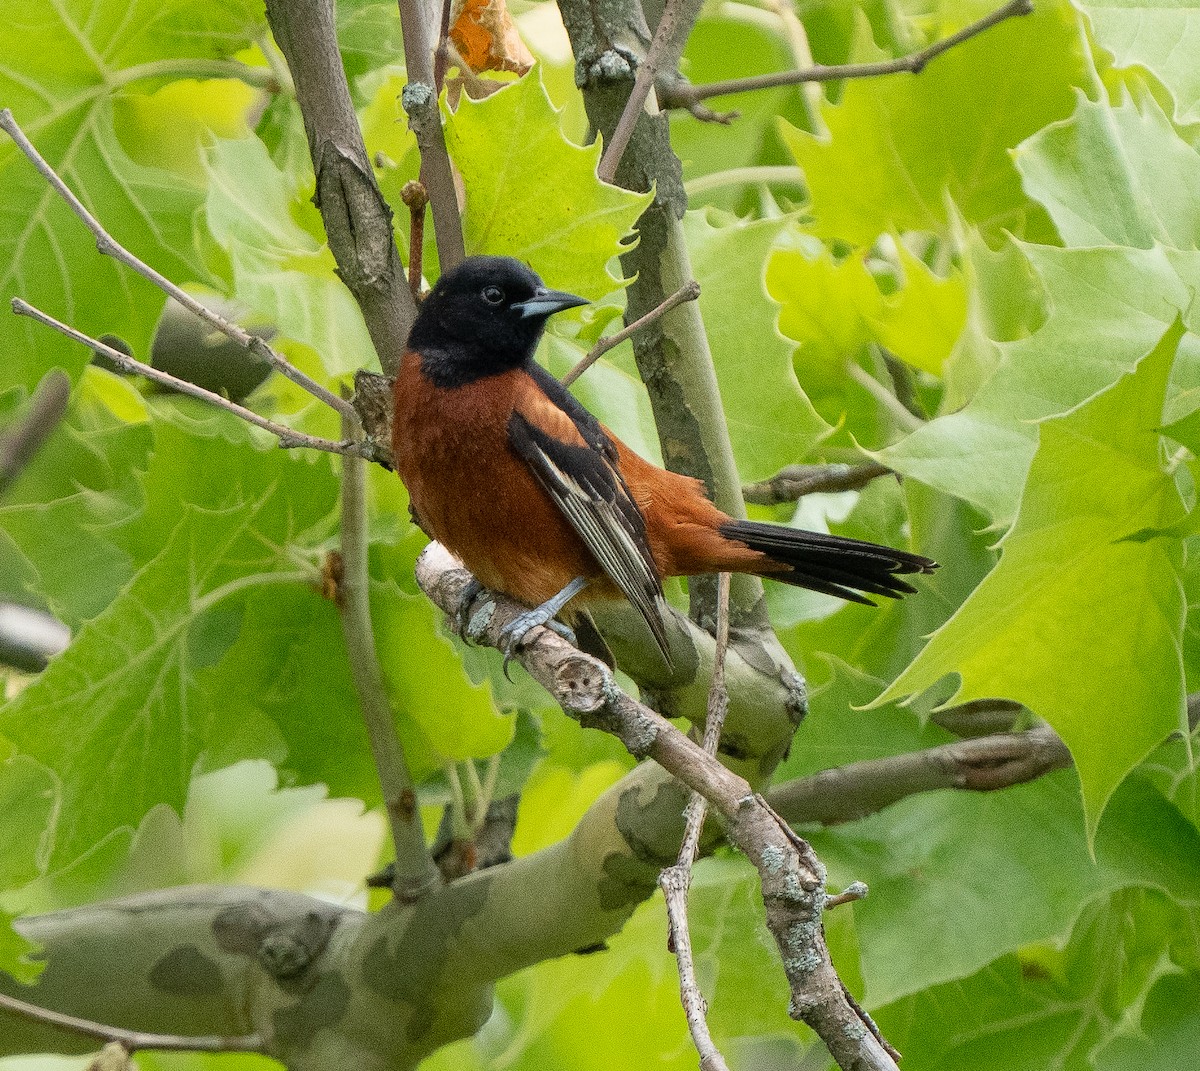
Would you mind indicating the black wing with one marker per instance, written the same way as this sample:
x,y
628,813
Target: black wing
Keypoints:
x,y
585,483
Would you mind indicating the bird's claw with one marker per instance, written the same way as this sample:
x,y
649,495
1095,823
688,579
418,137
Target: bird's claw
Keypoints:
x,y
462,615
512,636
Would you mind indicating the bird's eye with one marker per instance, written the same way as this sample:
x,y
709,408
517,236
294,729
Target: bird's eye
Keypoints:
x,y
493,295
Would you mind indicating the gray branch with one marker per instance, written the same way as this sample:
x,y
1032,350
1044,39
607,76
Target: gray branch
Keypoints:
x,y
793,879
358,221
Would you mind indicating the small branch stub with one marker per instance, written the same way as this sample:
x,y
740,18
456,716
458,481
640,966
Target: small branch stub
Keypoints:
x,y
416,197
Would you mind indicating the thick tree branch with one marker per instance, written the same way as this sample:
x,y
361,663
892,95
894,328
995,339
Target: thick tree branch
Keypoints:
x,y
358,221
680,94
793,880
673,354
288,438
666,33
414,871
984,764
106,244
420,102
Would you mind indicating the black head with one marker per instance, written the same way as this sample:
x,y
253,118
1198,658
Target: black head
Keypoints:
x,y
484,316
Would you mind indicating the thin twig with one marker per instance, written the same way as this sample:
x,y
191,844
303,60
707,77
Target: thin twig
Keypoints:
x,y
683,95
676,880
687,292
108,245
766,174
903,418
19,443
415,872
131,1040
441,54
856,890
420,103
643,82
417,198
288,438
796,481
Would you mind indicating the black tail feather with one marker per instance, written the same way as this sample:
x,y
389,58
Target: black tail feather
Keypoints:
x,y
831,564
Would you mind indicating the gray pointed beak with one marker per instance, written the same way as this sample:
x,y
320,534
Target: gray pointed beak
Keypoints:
x,y
547,302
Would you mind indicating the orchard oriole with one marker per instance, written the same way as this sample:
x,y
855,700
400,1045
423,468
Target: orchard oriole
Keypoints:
x,y
541,502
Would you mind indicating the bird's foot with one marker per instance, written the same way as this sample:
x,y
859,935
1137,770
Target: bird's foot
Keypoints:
x,y
513,634
462,615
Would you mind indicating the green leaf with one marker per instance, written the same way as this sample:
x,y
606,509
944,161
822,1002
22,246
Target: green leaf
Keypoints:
x,y
722,46
1107,307
826,307
57,516
931,863
1070,583
282,270
1114,176
1169,1032
922,320
505,146
29,801
897,147
15,953
63,65
120,717
771,422
1046,1008
115,716
1161,35
458,717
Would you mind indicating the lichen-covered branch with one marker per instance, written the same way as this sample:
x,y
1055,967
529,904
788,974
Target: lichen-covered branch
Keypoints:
x,y
796,481
793,880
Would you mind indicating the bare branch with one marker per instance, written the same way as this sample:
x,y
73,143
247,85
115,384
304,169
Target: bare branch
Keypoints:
x,y
796,481
19,443
130,1040
676,880
357,219
108,245
415,873
441,54
688,292
288,438
793,879
984,764
664,39
679,94
420,102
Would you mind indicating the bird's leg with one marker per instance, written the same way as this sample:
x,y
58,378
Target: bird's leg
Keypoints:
x,y
514,632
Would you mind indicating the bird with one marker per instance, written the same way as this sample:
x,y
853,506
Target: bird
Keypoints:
x,y
543,503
